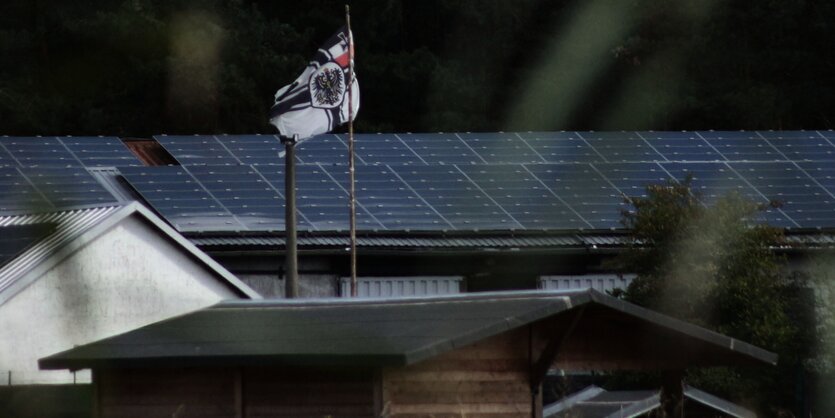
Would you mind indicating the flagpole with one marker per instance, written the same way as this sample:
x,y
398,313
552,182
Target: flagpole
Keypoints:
x,y
352,195
291,271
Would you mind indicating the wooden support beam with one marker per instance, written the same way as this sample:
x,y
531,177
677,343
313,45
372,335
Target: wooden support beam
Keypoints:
x,y
549,353
672,394
239,393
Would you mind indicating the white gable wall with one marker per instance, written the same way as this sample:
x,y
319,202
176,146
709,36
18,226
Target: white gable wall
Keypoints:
x,y
125,278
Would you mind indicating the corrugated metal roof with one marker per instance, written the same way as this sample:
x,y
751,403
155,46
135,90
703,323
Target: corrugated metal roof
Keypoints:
x,y
815,240
71,228
68,225
394,242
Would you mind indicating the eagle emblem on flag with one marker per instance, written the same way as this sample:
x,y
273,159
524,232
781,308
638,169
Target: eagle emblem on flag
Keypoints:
x,y
317,101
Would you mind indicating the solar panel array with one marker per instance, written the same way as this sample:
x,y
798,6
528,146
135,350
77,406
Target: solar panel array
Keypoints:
x,y
43,173
485,181
432,182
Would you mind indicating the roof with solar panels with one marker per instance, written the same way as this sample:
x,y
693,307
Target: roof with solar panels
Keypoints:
x,y
215,187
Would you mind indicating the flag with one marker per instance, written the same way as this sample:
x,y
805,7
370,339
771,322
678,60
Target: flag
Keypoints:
x,y
317,101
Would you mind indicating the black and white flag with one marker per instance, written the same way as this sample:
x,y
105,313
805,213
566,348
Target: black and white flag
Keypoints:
x,y
317,101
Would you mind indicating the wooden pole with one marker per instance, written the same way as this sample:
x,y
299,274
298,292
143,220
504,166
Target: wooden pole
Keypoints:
x,y
291,271
352,194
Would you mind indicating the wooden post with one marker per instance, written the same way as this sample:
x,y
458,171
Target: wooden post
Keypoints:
x,y
291,271
672,394
239,393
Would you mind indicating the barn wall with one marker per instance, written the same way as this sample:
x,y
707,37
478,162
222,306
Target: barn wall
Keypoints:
x,y
166,393
229,392
486,379
282,393
125,278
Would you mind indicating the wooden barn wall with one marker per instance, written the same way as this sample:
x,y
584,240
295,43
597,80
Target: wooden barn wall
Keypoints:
x,y
487,379
307,393
233,393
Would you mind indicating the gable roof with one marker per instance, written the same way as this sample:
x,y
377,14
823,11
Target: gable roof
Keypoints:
x,y
72,229
382,332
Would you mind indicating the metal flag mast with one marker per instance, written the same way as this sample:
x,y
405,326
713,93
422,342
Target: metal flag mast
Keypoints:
x,y
291,271
351,195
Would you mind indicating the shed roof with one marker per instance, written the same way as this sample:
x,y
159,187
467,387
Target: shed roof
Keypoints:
x,y
392,332
69,230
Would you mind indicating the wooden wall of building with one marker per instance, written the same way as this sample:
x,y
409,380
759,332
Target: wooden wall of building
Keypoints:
x,y
487,379
233,393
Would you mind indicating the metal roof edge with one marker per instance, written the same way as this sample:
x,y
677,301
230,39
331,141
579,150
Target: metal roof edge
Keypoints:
x,y
336,301
685,328
638,408
510,323
717,403
571,400
195,252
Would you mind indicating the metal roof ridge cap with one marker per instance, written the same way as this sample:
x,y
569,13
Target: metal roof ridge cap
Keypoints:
x,y
192,249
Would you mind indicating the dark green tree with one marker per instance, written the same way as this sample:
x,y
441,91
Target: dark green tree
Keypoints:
x,y
714,266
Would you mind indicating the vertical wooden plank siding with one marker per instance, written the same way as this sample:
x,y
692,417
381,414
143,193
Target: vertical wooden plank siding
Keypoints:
x,y
487,379
308,393
235,392
167,392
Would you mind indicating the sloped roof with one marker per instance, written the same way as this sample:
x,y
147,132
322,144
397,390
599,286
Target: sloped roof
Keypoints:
x,y
381,332
72,229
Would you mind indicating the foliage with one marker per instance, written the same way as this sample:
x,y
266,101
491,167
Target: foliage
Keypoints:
x,y
142,67
711,266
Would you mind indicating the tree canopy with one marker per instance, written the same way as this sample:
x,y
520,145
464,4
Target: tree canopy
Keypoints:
x,y
711,265
141,67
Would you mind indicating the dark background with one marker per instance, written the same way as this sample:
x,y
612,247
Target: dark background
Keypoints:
x,y
143,67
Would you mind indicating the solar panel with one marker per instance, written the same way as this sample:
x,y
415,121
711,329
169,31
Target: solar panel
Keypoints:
x,y
254,149
441,149
524,197
802,200
681,146
39,151
390,201
497,147
321,200
484,181
632,179
801,145
5,157
180,199
710,180
244,193
741,146
384,149
196,149
584,190
17,194
560,147
67,186
99,151
323,149
455,198
621,146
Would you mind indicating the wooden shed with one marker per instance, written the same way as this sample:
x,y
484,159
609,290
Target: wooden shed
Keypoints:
x,y
473,355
